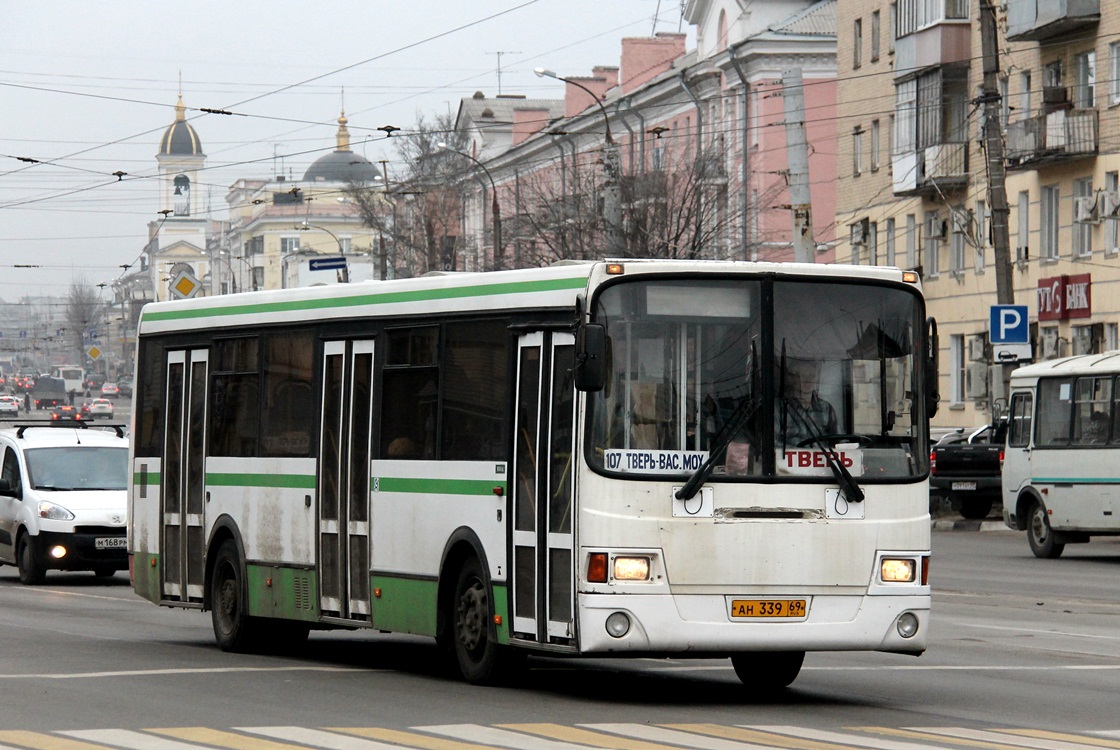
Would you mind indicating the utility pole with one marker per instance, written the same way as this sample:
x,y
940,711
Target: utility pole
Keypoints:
x,y
797,148
993,144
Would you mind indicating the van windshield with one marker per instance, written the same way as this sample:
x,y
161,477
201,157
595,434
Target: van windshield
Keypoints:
x,y
78,468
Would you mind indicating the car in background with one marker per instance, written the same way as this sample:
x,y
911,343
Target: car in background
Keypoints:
x,y
125,386
110,390
63,497
49,392
66,413
98,407
10,406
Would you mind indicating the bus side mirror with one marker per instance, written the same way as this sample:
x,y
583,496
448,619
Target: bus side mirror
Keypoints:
x,y
591,357
931,367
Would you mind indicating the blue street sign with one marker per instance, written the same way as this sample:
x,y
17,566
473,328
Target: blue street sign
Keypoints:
x,y
1010,324
329,263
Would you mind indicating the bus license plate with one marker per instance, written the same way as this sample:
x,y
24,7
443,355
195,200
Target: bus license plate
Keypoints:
x,y
964,485
751,608
110,542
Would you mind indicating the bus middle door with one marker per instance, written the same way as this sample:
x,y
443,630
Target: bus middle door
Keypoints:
x,y
543,539
344,466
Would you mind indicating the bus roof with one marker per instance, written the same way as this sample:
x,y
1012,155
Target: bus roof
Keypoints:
x,y
1082,364
554,287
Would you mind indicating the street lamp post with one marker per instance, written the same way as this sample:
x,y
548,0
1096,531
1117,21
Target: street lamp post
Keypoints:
x,y
612,207
305,226
495,208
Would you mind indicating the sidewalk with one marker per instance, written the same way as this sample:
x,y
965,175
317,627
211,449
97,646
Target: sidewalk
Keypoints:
x,y
944,518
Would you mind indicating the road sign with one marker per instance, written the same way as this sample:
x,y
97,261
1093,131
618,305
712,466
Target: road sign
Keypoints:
x,y
185,285
329,263
93,353
1010,333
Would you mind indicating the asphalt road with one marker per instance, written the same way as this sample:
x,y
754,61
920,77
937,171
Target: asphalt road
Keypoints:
x,y
1017,644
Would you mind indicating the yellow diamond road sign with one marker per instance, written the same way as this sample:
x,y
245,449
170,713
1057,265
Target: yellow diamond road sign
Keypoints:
x,y
185,285
93,353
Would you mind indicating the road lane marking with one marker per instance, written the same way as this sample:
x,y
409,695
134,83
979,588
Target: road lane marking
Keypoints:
x,y
127,738
499,737
1000,739
411,739
221,738
585,737
844,738
183,670
1095,741
1036,631
672,736
319,738
41,741
754,735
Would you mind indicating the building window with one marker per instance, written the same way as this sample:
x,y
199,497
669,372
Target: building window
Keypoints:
x,y
890,240
346,243
1024,95
289,245
1085,67
957,243
1023,238
1004,102
1111,226
931,243
857,43
1114,72
911,241
891,32
1111,337
874,145
981,218
857,152
873,243
874,36
956,369
1082,231
1048,224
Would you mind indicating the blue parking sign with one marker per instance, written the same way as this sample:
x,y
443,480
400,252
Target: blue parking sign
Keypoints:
x,y
1010,324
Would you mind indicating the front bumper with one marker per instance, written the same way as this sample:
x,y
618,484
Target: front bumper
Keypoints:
x,y
81,548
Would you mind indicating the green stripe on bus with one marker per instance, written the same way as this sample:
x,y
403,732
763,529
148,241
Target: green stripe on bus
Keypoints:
x,y
145,478
437,486
299,481
1078,480
421,295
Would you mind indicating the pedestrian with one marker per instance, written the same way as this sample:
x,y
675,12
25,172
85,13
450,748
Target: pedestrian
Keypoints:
x,y
27,402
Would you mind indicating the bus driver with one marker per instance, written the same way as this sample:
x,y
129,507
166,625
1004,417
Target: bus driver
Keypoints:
x,y
801,412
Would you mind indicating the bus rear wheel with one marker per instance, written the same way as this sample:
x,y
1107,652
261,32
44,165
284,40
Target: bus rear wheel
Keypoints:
x,y
1039,534
481,660
234,629
768,670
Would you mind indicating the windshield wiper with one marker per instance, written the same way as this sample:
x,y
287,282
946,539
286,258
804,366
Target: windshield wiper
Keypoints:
x,y
53,488
852,491
744,410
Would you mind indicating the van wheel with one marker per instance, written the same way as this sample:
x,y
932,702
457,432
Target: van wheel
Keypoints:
x,y
234,629
31,571
104,571
763,671
1039,534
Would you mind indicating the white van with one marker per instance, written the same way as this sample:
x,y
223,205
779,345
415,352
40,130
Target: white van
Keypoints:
x,y
63,499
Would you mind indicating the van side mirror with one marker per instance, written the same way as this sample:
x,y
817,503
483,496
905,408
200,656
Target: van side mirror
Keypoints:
x,y
591,357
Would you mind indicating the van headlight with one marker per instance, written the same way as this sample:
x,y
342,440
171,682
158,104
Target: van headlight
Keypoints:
x,y
53,511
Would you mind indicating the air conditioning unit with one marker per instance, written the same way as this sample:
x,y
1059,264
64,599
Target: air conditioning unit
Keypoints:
x,y
1085,210
1055,94
976,349
976,380
1110,204
860,231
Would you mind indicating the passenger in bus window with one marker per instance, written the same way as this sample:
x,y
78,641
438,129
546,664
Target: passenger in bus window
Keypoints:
x,y
801,413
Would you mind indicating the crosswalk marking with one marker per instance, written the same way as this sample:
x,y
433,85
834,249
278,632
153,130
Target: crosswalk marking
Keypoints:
x,y
552,736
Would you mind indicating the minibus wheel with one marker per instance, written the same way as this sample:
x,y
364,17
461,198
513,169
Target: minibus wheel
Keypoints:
x,y
768,670
1039,534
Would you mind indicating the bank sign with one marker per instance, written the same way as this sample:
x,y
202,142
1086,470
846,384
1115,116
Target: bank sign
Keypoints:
x,y
1064,297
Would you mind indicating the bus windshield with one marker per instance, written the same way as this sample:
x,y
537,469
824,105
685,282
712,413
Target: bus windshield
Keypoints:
x,y
771,375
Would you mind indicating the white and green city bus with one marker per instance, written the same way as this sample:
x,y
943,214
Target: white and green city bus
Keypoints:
x,y
600,458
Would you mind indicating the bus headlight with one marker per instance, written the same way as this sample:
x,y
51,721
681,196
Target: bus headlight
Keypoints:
x,y
631,568
54,512
896,570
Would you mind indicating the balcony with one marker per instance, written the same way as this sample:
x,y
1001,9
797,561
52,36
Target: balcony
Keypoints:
x,y
1039,20
1052,137
944,43
931,170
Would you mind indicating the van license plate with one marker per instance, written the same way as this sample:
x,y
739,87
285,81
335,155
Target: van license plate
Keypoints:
x,y
964,485
750,608
110,542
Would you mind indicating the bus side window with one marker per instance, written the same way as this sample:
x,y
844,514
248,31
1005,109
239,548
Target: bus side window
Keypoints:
x,y
1019,435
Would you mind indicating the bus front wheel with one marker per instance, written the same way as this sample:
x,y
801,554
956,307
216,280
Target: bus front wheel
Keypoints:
x,y
1040,535
768,670
234,629
482,661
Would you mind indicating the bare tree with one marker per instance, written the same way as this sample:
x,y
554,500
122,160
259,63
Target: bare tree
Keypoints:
x,y
83,311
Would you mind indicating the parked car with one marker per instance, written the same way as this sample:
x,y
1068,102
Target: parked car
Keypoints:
x,y
63,492
967,468
99,407
10,406
110,390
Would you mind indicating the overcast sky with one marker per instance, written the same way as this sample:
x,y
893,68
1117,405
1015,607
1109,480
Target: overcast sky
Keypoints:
x,y
91,86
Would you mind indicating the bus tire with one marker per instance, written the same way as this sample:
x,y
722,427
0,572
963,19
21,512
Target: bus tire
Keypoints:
x,y
234,629
481,659
32,572
1039,534
768,670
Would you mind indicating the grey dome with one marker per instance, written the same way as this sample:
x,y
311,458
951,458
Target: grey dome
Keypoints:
x,y
341,166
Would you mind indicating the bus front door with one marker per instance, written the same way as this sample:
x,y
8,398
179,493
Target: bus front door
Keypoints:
x,y
543,541
344,466
183,478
